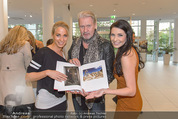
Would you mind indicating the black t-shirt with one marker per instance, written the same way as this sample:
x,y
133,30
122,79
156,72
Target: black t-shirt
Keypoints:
x,y
45,59
82,53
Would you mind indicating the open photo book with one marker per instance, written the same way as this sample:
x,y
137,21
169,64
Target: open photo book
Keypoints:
x,y
89,77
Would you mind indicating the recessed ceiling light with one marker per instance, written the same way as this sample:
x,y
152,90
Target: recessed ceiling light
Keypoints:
x,y
114,10
30,15
8,17
133,14
25,15
91,5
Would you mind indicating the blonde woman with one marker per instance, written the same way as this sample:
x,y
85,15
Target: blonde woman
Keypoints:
x,y
32,42
36,44
15,56
42,69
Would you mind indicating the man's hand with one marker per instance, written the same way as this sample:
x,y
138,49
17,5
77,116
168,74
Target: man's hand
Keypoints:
x,y
75,61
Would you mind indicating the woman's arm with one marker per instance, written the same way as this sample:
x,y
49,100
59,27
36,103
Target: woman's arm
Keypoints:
x,y
35,76
128,65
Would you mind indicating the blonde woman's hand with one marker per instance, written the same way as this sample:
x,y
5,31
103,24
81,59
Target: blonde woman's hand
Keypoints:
x,y
56,75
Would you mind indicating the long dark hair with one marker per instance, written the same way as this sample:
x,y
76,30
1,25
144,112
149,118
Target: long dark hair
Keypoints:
x,y
126,48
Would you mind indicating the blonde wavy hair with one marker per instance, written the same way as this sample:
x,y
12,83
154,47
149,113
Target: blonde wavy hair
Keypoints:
x,y
14,40
32,41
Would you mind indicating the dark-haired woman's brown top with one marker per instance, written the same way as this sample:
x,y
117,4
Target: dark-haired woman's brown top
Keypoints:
x,y
129,103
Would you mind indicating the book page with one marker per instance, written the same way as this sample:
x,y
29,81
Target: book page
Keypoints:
x,y
93,76
73,79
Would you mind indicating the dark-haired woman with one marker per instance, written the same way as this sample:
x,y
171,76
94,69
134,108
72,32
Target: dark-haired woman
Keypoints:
x,y
126,67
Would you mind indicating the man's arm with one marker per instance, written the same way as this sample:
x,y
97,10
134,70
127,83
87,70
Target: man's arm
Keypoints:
x,y
109,60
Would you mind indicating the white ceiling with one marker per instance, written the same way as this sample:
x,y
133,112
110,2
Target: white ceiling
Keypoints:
x,y
149,9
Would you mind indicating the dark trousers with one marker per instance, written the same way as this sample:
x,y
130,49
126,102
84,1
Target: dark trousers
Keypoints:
x,y
1,108
57,112
1,111
96,112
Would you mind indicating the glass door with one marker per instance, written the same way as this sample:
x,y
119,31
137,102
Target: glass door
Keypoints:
x,y
159,35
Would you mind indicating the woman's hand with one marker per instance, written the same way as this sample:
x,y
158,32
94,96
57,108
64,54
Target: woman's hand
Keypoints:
x,y
95,94
56,75
83,93
75,61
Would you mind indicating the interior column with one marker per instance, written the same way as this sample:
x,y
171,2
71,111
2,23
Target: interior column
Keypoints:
x,y
175,53
67,18
47,19
3,19
143,37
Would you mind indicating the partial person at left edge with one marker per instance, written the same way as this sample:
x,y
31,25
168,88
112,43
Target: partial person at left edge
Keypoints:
x,y
16,94
42,69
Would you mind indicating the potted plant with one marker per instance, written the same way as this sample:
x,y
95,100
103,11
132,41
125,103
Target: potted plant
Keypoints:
x,y
167,49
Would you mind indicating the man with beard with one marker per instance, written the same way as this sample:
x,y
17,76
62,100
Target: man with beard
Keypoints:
x,y
90,47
